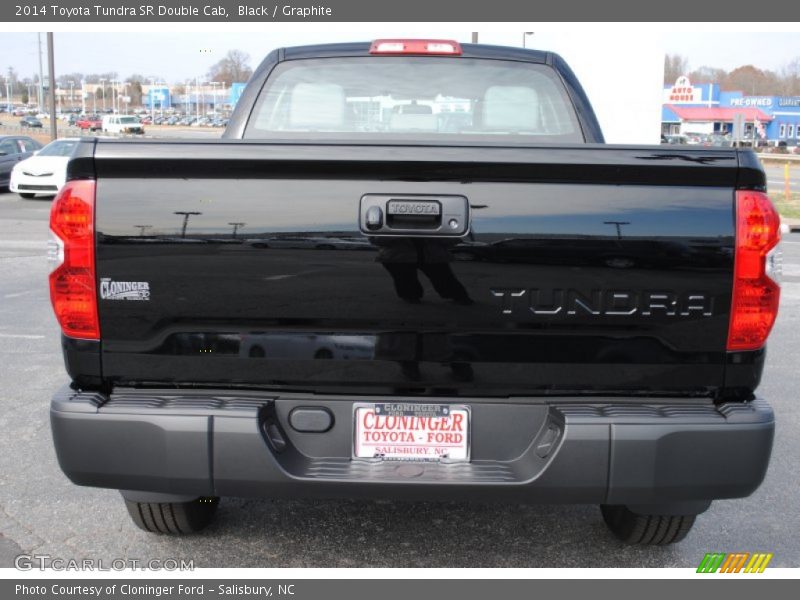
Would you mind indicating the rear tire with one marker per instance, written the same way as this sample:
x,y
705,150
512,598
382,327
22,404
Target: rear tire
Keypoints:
x,y
26,196
646,530
173,517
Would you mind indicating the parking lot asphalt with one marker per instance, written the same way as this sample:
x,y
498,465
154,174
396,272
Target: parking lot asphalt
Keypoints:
x,y
42,512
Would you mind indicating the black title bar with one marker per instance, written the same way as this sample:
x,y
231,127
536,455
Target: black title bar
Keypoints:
x,y
493,11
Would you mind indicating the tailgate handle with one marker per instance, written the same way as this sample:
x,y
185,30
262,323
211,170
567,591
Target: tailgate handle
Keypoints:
x,y
413,214
384,214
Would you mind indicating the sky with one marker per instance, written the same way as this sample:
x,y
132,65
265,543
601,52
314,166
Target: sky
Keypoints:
x,y
175,57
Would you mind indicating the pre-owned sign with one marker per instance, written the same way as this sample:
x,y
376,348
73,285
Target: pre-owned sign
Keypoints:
x,y
752,101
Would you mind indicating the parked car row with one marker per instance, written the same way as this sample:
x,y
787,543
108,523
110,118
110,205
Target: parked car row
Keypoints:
x,y
697,139
94,121
185,121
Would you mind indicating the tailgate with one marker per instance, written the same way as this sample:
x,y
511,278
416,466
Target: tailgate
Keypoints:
x,y
492,271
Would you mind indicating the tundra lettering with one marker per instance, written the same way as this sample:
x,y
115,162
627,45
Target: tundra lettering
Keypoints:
x,y
603,302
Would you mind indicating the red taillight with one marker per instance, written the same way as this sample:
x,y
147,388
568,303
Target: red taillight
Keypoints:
x,y
73,289
415,47
755,293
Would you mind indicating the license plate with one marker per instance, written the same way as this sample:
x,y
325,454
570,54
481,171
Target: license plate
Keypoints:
x,y
411,431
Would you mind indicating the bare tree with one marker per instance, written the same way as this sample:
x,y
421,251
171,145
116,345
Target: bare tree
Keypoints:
x,y
234,68
12,75
708,75
748,79
96,77
753,81
675,65
790,78
67,78
134,88
135,92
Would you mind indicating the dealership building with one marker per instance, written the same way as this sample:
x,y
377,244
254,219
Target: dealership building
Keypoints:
x,y
705,109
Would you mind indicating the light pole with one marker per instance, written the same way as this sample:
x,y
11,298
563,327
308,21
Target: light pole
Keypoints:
x,y
186,214
8,98
197,97
151,93
162,86
51,90
236,225
10,86
41,76
214,85
103,89
525,35
71,96
618,225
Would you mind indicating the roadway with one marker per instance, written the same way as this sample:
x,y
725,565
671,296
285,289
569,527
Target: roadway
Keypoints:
x,y
776,177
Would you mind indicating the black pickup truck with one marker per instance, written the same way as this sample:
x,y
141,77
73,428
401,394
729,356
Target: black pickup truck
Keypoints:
x,y
412,269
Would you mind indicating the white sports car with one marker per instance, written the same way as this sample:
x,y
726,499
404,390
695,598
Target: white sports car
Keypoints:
x,y
44,173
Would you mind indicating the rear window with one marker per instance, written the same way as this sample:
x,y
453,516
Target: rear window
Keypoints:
x,y
414,98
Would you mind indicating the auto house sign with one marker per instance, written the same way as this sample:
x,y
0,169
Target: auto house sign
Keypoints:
x,y
683,91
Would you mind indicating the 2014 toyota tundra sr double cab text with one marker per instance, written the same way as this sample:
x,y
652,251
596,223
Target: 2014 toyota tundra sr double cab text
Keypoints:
x,y
412,269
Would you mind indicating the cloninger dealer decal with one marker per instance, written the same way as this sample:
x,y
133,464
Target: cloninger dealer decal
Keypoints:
x,y
124,290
